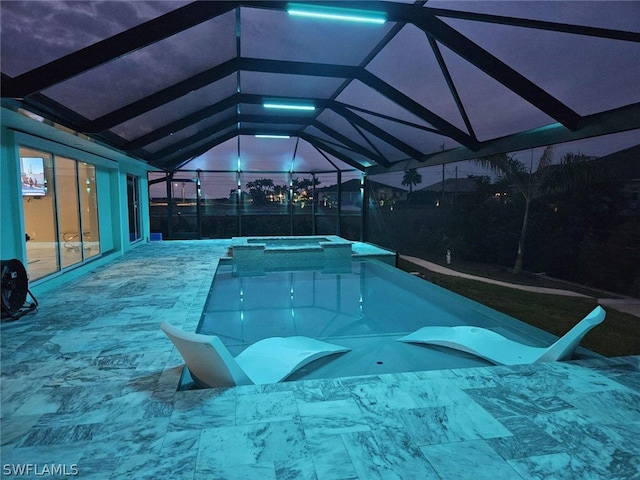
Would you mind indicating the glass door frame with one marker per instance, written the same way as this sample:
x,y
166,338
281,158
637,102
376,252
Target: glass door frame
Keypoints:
x,y
133,208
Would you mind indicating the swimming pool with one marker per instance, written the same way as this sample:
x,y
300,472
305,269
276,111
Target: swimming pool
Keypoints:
x,y
365,308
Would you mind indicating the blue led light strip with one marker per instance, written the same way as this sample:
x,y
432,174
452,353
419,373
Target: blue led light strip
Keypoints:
x,y
289,106
341,14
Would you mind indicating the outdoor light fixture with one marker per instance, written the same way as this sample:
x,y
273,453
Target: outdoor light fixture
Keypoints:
x,y
279,105
272,136
336,13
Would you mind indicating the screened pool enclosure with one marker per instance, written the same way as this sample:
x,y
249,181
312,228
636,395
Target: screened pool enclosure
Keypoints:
x,y
278,118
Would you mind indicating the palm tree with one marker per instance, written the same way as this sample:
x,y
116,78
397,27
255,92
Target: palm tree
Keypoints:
x,y
527,182
411,177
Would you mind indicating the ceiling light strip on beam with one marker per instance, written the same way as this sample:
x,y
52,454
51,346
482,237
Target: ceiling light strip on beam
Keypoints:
x,y
266,135
280,105
339,14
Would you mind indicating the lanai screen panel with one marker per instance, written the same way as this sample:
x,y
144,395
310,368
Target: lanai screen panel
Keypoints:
x,y
270,34
208,128
409,63
71,27
267,84
194,103
309,159
149,70
549,58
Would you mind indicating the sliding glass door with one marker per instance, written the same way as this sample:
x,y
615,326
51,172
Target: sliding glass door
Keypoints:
x,y
60,212
69,230
39,207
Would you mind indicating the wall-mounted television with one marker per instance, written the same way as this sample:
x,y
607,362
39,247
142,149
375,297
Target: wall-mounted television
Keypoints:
x,y
34,183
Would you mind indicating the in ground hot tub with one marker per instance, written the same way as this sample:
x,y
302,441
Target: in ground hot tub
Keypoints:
x,y
254,255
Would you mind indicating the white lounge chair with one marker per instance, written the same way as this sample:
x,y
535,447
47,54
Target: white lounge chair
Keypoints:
x,y
268,361
498,349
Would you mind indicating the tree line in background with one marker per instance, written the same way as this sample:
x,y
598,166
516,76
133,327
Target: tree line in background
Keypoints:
x,y
567,220
263,191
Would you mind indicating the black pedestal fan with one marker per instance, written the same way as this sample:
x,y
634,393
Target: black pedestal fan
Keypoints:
x,y
15,289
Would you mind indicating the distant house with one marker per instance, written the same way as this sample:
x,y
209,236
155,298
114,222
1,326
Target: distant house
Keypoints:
x,y
384,195
453,188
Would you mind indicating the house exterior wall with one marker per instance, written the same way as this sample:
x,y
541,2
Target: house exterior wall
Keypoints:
x,y
111,168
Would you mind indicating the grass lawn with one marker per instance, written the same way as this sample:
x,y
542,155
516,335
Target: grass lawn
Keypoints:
x,y
505,274
618,335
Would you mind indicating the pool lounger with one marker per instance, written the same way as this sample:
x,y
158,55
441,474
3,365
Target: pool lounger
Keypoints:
x,y
268,361
500,350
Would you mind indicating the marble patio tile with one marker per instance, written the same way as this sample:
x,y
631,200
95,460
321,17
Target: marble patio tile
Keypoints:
x,y
181,442
15,393
27,359
450,423
504,402
108,321
607,407
85,417
320,390
472,459
138,310
141,380
266,388
60,435
348,382
631,431
89,377
332,417
251,444
198,409
13,429
386,454
127,407
117,361
630,380
330,457
45,454
38,370
81,341
563,376
431,390
96,469
559,466
295,469
261,470
36,342
528,440
382,396
153,466
106,398
168,380
603,448
38,402
157,408
468,378
136,341
121,439
263,408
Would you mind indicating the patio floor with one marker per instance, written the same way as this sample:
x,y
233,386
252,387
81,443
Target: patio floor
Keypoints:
x,y
89,381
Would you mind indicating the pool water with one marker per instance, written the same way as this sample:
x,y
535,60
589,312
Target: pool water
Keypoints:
x,y
365,309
